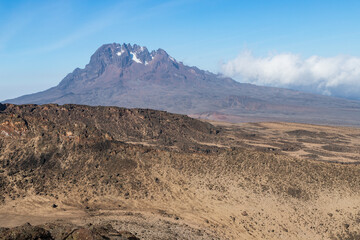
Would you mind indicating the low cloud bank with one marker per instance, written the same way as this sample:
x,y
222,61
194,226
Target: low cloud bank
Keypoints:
x,y
337,76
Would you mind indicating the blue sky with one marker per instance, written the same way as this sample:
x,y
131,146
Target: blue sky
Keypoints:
x,y
42,41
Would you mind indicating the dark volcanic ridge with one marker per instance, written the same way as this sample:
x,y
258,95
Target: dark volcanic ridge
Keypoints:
x,y
130,76
76,123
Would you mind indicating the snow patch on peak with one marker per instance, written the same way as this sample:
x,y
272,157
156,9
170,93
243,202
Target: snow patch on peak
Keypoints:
x,y
121,51
134,58
172,59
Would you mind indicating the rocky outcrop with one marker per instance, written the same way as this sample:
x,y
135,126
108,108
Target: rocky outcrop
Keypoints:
x,y
64,231
75,123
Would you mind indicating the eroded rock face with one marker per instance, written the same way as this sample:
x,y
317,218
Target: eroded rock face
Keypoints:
x,y
64,231
75,123
25,231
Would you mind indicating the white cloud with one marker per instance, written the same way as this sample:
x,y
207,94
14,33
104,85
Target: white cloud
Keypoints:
x,y
338,76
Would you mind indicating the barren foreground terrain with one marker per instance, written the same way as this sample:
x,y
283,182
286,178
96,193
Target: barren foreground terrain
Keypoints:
x,y
167,176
